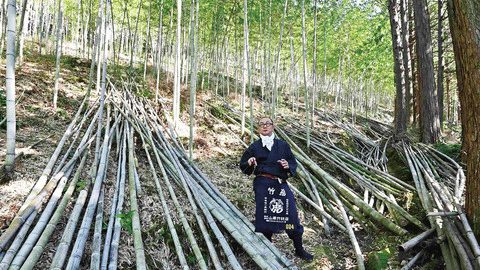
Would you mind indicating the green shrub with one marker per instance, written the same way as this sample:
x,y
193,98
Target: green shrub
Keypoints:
x,y
450,149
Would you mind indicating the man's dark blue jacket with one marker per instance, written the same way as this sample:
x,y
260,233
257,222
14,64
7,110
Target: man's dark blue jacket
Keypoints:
x,y
267,161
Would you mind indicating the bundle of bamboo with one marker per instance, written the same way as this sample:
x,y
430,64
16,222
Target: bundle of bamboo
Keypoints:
x,y
440,183
127,117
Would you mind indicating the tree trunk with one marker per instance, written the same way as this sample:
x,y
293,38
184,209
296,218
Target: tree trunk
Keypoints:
x,y
20,34
464,26
40,28
193,84
304,46
400,97
176,82
314,64
440,90
59,54
10,89
413,102
274,89
159,50
246,73
135,38
147,41
406,56
429,120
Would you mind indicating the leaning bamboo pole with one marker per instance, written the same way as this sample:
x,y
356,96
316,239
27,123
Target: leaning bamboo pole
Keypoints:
x,y
79,246
177,165
38,248
115,201
111,258
351,233
434,175
136,227
41,223
65,242
51,163
32,204
168,217
342,189
97,235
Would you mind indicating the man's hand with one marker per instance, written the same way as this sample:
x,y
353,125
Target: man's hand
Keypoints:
x,y
283,163
252,161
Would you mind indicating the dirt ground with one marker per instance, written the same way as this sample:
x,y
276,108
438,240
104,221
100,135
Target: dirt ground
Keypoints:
x,y
217,152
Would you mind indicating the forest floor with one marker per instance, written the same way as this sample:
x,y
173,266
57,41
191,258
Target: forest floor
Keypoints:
x,y
217,152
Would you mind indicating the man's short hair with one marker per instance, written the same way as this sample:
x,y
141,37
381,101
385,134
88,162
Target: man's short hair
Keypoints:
x,y
264,117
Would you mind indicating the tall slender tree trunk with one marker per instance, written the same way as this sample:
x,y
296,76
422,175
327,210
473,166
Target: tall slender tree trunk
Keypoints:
x,y
95,45
304,47
414,101
325,57
76,29
464,21
59,53
177,77
41,28
10,89
135,38
277,61
406,56
293,80
193,83
400,97
20,34
440,73
147,41
244,76
100,45
314,64
430,122
159,50
246,72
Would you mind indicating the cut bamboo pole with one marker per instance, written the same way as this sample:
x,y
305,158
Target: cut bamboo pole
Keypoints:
x,y
114,246
136,226
79,245
97,235
37,250
415,240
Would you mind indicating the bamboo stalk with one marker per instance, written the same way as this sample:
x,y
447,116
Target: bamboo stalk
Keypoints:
x,y
341,188
414,260
115,201
77,252
136,227
351,234
415,240
37,250
97,235
173,231
113,253
62,249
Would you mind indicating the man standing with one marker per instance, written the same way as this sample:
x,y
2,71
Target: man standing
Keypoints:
x,y
272,161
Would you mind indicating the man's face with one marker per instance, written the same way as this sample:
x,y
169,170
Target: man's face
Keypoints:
x,y
265,126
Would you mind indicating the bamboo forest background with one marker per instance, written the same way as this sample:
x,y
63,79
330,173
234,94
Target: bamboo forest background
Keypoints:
x,y
349,41
366,93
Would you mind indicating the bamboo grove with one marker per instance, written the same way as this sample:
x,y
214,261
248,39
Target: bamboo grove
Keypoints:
x,y
322,68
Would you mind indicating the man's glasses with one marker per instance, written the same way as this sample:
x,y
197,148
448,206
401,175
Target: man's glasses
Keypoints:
x,y
267,124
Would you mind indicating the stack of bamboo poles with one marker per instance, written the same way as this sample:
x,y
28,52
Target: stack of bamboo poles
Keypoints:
x,y
333,198
127,121
440,183
384,188
203,196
